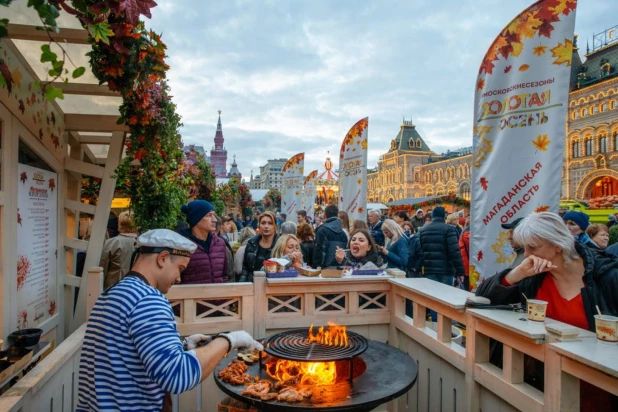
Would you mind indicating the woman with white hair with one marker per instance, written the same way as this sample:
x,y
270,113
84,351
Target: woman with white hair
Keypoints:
x,y
396,253
571,277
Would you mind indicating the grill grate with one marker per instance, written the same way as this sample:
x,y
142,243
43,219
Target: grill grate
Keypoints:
x,y
294,345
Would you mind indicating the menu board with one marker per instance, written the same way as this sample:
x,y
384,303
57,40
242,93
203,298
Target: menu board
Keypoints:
x,y
36,246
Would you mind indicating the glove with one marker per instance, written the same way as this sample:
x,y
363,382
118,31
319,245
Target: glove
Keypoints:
x,y
242,341
193,341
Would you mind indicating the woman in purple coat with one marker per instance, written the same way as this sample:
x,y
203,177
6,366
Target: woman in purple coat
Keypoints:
x,y
208,263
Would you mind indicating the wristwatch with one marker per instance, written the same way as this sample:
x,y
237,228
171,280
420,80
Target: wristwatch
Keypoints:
x,y
229,342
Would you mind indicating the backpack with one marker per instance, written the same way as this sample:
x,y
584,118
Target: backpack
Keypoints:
x,y
415,256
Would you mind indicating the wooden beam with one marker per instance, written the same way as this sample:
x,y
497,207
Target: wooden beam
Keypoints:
x,y
79,206
28,32
75,243
70,280
83,168
88,89
99,227
94,139
93,123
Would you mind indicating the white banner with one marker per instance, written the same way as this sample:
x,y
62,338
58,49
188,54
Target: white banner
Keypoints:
x,y
353,171
291,195
37,200
309,193
520,107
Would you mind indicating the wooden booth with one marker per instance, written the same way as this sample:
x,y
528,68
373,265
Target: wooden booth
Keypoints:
x,y
46,148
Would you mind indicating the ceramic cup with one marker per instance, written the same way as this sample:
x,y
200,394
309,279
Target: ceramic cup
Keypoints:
x,y
536,310
607,328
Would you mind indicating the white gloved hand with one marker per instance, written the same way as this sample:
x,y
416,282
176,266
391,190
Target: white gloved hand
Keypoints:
x,y
193,340
242,341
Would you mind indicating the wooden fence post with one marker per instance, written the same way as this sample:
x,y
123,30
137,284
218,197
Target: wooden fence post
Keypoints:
x,y
94,288
261,307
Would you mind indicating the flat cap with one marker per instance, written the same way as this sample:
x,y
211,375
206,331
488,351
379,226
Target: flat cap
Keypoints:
x,y
159,240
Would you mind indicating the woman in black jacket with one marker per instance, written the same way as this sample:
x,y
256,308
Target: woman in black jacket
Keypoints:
x,y
554,261
259,247
305,234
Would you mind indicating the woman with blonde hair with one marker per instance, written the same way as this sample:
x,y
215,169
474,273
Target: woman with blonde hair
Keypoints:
x,y
396,253
288,247
259,247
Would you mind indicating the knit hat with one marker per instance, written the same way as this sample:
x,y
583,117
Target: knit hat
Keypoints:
x,y
581,219
612,218
196,210
438,212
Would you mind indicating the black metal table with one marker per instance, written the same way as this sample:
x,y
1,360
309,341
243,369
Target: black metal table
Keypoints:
x,y
389,374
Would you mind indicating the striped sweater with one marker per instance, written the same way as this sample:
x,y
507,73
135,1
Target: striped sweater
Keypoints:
x,y
132,353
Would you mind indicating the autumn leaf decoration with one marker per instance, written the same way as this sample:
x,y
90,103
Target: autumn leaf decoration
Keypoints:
x,y
542,208
484,183
23,177
479,256
18,217
541,142
52,184
539,50
563,52
536,20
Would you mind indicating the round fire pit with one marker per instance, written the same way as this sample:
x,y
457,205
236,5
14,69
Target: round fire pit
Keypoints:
x,y
388,374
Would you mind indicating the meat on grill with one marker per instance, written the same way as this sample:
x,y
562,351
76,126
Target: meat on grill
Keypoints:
x,y
234,373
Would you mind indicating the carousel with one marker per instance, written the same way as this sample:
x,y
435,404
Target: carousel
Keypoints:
x,y
327,185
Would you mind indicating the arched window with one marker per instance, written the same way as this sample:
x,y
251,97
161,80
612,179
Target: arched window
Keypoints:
x,y
584,112
575,148
464,191
588,147
418,143
615,136
440,192
603,143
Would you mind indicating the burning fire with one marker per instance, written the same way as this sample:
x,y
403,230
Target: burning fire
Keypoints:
x,y
304,373
333,336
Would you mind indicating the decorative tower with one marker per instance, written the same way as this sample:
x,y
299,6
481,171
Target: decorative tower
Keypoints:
x,y
234,172
218,155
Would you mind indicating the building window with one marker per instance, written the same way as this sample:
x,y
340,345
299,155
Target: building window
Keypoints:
x,y
584,112
615,136
576,148
588,147
464,191
603,144
418,143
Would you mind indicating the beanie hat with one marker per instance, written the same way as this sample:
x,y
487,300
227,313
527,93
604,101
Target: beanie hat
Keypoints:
x,y
612,218
581,219
438,212
196,210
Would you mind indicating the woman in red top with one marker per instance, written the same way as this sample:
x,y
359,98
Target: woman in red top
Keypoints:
x,y
571,277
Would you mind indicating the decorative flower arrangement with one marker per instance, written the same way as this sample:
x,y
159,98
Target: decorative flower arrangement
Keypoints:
x,y
272,200
449,199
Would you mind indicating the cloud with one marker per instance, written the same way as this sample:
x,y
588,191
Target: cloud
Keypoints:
x,y
293,76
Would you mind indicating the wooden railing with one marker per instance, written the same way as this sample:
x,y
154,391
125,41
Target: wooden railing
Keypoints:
x,y
451,376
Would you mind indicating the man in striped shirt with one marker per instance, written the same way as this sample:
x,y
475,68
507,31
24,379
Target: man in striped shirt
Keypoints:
x,y
132,356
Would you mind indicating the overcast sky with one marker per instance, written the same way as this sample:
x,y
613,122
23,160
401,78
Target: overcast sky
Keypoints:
x,y
293,76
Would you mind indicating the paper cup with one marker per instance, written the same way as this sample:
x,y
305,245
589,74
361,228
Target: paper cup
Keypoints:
x,y
270,267
537,310
607,328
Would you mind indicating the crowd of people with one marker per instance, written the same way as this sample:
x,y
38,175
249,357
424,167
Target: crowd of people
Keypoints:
x,y
564,260
431,244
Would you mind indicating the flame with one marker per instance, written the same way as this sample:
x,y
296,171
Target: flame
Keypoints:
x,y
333,336
304,373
